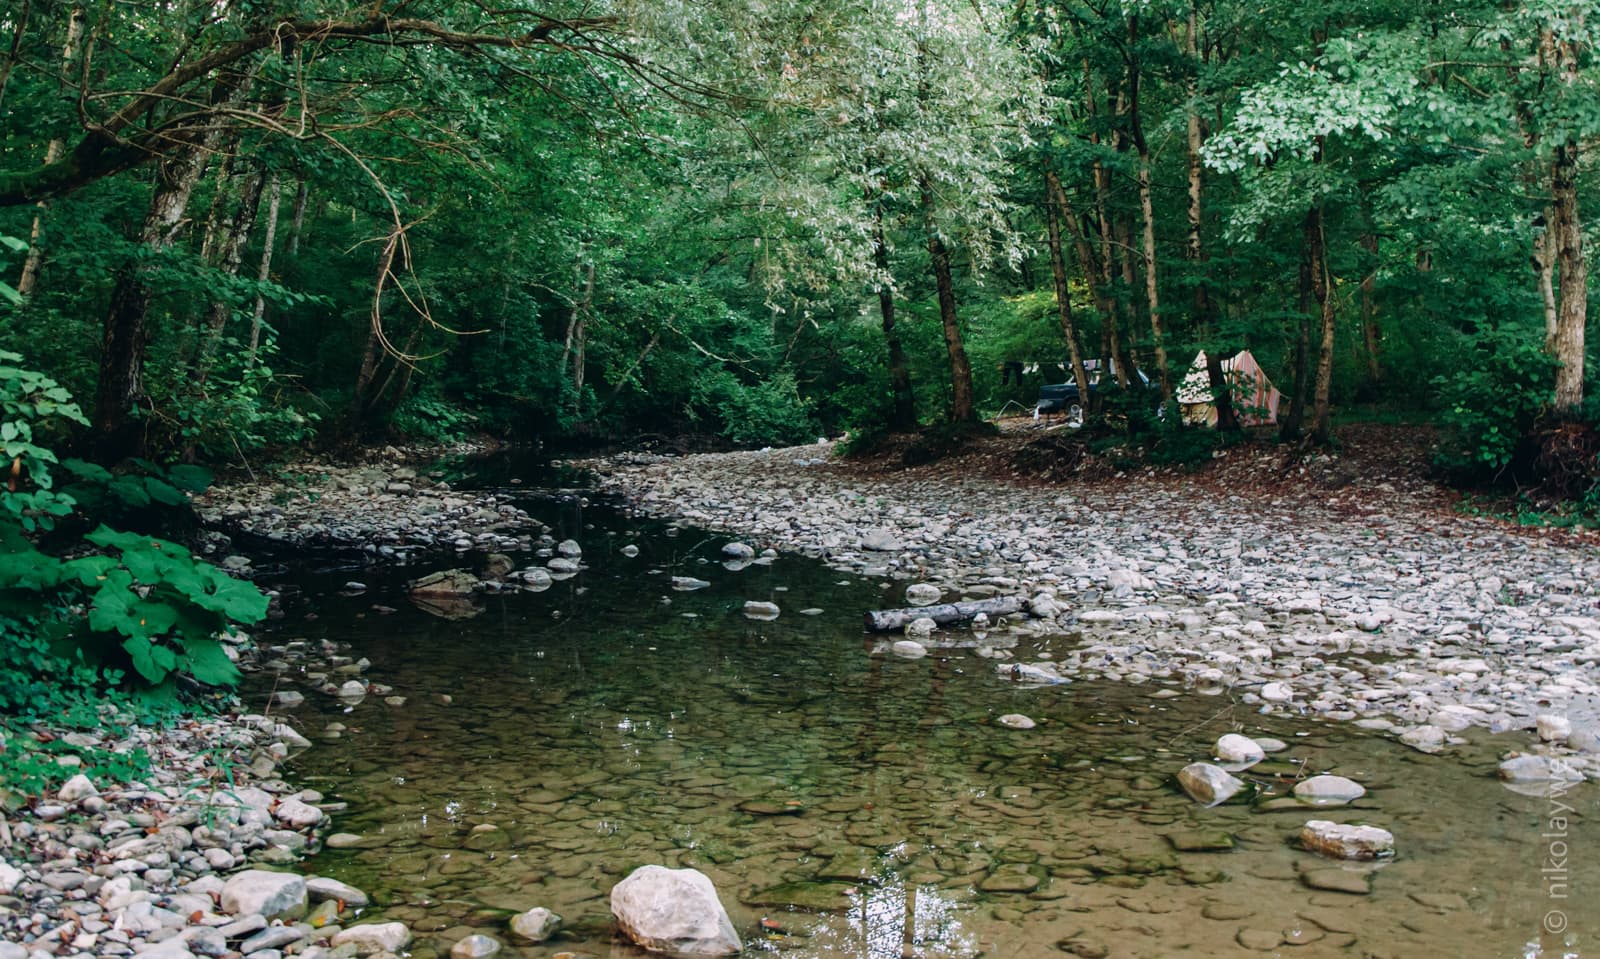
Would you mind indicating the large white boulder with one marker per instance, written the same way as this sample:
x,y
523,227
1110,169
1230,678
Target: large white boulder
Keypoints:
x,y
674,911
274,895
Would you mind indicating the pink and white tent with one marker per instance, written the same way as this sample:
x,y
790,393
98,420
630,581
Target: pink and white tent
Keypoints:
x,y
1255,399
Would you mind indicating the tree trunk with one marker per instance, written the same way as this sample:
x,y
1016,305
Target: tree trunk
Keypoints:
x,y
1544,265
884,620
365,398
1204,310
52,153
120,388
1369,309
1151,290
1057,211
962,409
1128,360
1322,290
1102,205
264,272
228,253
1290,428
903,412
298,220
1572,277
573,348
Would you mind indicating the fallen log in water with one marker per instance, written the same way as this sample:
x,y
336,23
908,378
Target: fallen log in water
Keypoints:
x,y
884,620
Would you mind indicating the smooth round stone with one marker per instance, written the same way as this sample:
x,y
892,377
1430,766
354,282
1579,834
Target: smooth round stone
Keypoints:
x,y
1225,912
1553,729
922,594
1277,692
536,925
1234,748
1338,880
1270,745
1016,721
909,648
476,946
1259,940
755,609
1329,790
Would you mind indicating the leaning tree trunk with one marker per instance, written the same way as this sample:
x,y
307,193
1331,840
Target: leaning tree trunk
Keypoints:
x,y
1204,309
962,408
52,153
1056,211
120,388
1573,280
264,272
228,255
903,411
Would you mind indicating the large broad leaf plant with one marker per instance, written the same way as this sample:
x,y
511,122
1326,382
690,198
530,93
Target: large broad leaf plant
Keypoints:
x,y
85,598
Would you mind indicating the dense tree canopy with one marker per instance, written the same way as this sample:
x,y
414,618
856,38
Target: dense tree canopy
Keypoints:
x,y
240,225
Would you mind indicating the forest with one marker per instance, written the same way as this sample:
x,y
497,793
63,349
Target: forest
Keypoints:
x,y
232,229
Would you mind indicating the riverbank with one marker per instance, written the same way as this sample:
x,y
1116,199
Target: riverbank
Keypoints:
x,y
1348,593
175,863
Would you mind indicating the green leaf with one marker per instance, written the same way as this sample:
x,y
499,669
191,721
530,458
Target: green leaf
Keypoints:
x,y
207,661
154,662
84,470
193,479
163,492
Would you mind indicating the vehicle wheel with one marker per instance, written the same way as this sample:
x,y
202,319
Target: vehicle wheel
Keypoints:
x,y
1074,416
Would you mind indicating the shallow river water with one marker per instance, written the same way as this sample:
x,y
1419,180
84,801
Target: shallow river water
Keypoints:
x,y
849,803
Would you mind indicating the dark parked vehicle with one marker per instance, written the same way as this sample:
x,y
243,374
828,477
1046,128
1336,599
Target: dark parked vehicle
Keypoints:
x,y
1063,397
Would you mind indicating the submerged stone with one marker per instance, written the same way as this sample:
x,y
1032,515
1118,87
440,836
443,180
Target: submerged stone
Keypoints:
x,y
1201,841
805,896
1208,784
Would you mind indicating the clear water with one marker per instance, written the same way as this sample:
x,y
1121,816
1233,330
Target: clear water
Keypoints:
x,y
848,803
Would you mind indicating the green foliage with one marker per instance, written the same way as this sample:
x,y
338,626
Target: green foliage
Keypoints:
x,y
1186,447
241,409
1491,405
431,419
42,687
769,412
110,598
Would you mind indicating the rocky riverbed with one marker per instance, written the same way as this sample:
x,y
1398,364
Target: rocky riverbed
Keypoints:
x,y
1372,603
387,512
168,866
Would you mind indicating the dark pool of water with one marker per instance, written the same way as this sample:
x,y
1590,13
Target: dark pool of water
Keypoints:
x,y
843,795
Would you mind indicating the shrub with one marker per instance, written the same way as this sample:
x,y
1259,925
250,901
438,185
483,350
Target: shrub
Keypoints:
x,y
1493,404
78,612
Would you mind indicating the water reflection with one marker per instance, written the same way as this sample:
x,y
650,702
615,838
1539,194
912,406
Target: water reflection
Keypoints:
x,y
840,798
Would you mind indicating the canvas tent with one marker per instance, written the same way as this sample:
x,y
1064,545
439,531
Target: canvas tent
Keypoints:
x,y
1255,399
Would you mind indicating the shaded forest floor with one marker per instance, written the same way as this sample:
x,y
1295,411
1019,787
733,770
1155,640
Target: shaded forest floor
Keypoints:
x,y
1371,468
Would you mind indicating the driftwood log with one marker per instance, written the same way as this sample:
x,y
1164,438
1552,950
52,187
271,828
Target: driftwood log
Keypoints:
x,y
884,620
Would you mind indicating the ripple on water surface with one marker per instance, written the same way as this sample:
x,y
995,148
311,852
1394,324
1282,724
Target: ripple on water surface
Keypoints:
x,y
848,804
